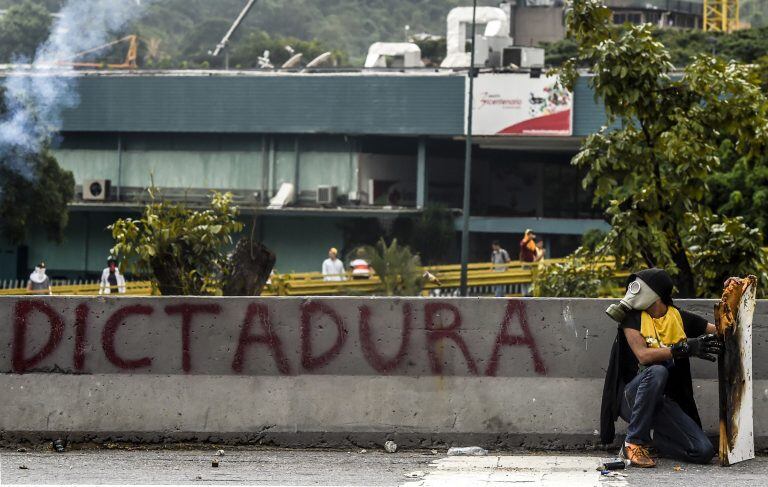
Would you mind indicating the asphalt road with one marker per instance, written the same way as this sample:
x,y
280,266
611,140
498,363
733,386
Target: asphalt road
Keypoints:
x,y
267,466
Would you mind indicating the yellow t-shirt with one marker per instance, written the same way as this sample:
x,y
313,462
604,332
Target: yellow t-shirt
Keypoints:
x,y
664,331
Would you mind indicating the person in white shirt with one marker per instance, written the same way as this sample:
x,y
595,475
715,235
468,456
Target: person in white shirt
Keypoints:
x,y
111,279
39,282
333,268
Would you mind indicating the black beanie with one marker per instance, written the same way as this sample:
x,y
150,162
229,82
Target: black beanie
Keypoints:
x,y
658,280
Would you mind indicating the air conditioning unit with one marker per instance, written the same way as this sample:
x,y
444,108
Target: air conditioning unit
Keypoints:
x,y
96,189
523,57
326,195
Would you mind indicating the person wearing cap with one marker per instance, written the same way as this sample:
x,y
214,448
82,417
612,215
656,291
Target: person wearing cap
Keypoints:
x,y
333,268
111,279
39,282
528,247
648,382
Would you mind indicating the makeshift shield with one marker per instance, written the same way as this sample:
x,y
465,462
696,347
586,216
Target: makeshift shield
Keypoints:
x,y
733,318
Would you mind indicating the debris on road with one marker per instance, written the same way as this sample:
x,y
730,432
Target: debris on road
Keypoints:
x,y
678,468
390,446
59,445
613,464
474,451
215,463
363,451
23,467
21,450
415,475
220,453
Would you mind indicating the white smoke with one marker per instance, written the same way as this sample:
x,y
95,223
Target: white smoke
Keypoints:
x,y
36,95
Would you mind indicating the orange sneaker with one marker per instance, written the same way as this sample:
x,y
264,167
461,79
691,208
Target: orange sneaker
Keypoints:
x,y
638,456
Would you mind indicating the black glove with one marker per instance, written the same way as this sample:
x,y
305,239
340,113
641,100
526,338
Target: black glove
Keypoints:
x,y
701,347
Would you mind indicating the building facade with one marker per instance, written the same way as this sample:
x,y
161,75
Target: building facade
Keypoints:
x,y
387,143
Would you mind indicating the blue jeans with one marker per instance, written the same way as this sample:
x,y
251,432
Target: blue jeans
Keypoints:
x,y
675,435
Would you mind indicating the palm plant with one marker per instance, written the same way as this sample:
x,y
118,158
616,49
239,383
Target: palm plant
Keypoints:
x,y
396,266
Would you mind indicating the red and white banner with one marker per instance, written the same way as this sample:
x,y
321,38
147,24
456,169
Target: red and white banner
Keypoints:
x,y
516,104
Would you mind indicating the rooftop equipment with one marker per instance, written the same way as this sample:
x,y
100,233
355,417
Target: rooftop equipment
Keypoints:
x,y
394,55
488,46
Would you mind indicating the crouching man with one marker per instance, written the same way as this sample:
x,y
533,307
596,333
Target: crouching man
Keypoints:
x,y
648,381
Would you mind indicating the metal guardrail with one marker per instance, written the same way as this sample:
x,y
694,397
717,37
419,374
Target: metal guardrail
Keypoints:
x,y
137,288
482,279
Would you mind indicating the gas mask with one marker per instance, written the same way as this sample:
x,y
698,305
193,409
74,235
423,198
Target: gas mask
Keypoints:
x,y
639,296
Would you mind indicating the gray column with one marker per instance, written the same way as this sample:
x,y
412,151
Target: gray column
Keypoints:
x,y
422,176
119,165
297,166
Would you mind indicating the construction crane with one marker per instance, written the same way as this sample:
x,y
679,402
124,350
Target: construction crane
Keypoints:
x,y
721,15
130,57
223,45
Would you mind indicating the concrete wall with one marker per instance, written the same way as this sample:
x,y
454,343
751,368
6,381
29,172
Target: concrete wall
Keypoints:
x,y
319,371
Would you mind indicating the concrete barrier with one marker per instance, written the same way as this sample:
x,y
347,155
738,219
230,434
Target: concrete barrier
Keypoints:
x,y
320,371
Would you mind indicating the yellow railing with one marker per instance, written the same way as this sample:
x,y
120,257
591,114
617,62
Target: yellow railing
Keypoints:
x,y
314,283
136,288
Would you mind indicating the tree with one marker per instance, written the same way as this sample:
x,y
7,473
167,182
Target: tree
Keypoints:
x,y
22,29
34,193
183,250
651,173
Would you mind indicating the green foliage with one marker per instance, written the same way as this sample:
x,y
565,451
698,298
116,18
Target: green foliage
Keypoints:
x,y
741,189
683,45
722,247
651,173
34,193
558,52
432,50
23,27
592,240
182,249
582,275
396,266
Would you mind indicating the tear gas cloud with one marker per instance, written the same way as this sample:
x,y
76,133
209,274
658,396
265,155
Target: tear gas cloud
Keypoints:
x,y
37,94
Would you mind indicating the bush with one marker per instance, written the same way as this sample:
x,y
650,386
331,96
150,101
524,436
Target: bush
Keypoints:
x,y
582,275
182,249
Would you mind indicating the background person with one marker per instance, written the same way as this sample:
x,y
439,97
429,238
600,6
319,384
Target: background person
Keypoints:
x,y
527,257
528,247
39,282
111,279
499,259
540,251
361,269
333,267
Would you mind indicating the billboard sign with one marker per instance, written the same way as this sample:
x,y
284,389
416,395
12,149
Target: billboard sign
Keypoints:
x,y
516,104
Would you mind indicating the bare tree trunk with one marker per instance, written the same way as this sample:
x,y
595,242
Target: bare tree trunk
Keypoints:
x,y
686,286
248,268
168,276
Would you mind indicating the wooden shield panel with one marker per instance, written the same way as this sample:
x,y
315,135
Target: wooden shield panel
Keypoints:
x,y
733,317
